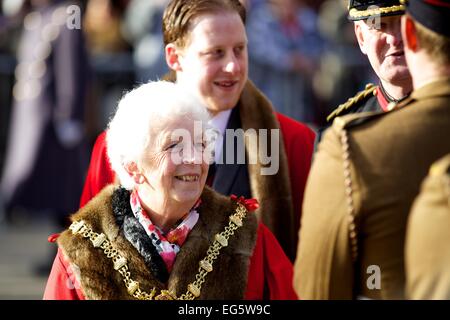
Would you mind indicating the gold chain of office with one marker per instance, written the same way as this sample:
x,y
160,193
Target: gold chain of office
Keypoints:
x,y
99,240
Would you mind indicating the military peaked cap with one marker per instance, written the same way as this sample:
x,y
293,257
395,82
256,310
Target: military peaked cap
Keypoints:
x,y
363,9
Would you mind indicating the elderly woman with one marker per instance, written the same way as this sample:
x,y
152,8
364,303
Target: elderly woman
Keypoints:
x,y
161,234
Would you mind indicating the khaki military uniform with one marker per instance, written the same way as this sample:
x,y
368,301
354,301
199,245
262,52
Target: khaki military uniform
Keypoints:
x,y
428,238
364,101
371,99
363,180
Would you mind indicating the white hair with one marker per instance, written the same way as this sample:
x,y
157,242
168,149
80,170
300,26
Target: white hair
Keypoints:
x,y
138,111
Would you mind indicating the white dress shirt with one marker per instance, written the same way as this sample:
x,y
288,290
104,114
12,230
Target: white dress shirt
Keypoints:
x,y
219,122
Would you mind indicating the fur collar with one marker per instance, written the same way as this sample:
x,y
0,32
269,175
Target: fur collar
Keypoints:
x,y
104,214
273,192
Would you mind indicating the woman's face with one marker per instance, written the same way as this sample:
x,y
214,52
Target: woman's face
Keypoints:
x,y
173,165
214,62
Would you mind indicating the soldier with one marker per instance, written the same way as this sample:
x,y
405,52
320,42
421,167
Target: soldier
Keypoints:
x,y
370,167
377,29
427,241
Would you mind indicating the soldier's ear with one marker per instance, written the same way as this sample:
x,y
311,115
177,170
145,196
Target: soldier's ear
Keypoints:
x,y
409,33
173,56
359,32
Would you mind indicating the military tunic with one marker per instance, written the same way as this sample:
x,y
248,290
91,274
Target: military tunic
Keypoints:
x,y
363,180
428,241
371,99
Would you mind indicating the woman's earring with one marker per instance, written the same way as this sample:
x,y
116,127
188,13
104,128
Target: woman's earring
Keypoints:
x,y
139,178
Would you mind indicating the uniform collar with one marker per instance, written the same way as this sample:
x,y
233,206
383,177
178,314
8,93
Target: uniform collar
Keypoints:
x,y
385,100
438,87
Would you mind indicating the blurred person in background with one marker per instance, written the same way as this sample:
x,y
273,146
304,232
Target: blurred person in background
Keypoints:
x,y
284,47
342,69
12,13
46,156
143,29
103,26
110,55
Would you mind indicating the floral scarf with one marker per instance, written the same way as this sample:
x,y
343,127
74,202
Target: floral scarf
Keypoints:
x,y
167,244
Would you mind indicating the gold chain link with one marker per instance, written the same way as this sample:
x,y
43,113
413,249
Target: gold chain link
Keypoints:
x,y
205,266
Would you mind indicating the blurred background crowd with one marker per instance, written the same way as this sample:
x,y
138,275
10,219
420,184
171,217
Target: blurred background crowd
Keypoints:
x,y
59,86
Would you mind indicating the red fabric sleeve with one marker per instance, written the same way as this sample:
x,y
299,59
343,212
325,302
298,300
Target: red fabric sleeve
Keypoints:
x,y
100,173
270,269
62,283
299,144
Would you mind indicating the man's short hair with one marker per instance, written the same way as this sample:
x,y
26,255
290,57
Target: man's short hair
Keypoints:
x,y
435,44
179,14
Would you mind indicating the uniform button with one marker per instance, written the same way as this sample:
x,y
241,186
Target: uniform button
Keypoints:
x,y
391,106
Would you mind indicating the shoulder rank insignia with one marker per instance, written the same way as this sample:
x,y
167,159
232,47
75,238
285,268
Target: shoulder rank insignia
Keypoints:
x,y
353,101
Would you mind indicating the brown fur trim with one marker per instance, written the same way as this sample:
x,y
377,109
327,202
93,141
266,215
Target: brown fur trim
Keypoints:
x,y
272,191
99,280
